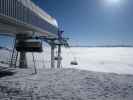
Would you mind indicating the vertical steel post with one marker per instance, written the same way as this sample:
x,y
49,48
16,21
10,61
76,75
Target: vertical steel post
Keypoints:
x,y
35,69
52,56
23,60
59,57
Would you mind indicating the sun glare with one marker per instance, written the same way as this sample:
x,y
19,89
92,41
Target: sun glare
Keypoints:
x,y
113,1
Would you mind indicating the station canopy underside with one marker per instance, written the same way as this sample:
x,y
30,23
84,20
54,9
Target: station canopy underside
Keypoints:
x,y
17,16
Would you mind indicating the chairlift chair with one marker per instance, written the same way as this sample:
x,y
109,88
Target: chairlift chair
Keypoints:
x,y
74,63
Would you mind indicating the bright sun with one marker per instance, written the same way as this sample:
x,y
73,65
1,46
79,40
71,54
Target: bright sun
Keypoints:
x,y
112,2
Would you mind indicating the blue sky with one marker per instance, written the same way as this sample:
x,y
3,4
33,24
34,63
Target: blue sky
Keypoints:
x,y
92,22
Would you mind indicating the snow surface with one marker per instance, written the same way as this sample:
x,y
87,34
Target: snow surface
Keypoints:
x,y
113,59
66,84
72,83
99,59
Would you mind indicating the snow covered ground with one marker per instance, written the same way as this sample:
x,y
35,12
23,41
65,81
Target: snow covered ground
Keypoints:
x,y
114,60
66,84
90,83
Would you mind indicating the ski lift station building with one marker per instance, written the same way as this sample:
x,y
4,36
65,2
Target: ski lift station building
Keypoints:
x,y
25,17
17,16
